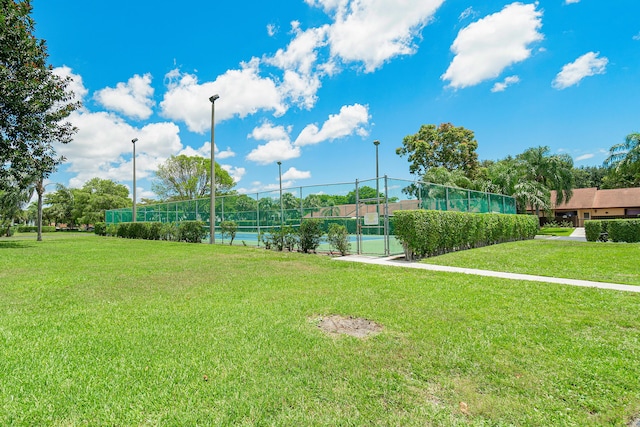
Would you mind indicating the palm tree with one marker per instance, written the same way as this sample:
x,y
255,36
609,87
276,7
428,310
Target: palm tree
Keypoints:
x,y
553,172
625,157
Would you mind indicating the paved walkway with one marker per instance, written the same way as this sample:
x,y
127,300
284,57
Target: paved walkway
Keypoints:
x,y
399,261
577,236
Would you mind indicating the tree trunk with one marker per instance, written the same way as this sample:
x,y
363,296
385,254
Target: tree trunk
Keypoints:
x,y
40,191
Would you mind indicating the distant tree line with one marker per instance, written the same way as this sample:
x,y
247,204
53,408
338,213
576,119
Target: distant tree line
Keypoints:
x,y
446,155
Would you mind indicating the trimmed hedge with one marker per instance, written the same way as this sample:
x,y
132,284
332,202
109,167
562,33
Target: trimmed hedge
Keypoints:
x,y
426,233
186,231
593,229
624,230
34,229
616,230
100,228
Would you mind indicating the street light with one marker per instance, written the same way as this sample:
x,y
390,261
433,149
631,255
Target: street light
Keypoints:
x,y
376,143
281,205
212,207
133,141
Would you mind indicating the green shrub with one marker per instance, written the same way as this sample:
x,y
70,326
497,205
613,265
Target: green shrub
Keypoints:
x,y
100,228
338,238
34,229
280,239
624,230
430,232
169,231
112,230
192,231
310,233
592,230
229,229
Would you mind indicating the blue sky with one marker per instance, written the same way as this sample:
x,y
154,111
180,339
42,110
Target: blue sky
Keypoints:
x,y
312,83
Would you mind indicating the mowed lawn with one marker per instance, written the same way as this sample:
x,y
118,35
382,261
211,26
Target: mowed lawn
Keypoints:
x,y
597,261
105,331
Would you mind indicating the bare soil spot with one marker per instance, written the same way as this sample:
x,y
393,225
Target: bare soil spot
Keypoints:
x,y
353,326
635,422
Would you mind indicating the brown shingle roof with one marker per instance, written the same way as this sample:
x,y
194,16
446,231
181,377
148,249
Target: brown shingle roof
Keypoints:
x,y
592,198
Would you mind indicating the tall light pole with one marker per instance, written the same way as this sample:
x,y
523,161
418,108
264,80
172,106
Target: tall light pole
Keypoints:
x,y
281,205
212,207
376,143
133,141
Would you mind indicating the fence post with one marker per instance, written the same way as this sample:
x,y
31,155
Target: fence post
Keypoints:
x,y
358,234
258,215
386,217
301,206
446,198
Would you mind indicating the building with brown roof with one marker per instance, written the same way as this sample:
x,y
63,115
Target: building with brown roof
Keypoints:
x,y
593,203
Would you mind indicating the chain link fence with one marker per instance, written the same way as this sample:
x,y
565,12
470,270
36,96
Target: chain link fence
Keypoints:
x,y
365,208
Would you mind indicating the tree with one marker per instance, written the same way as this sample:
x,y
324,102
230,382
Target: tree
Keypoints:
x,y
34,102
624,159
453,148
96,196
61,205
11,202
589,176
554,172
185,178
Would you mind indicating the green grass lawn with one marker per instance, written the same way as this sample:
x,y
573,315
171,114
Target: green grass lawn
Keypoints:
x,y
105,331
555,231
600,262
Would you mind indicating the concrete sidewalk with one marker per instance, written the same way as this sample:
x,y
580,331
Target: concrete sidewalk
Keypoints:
x,y
399,261
578,235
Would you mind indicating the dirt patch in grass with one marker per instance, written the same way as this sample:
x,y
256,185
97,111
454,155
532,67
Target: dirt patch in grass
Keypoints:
x,y
348,325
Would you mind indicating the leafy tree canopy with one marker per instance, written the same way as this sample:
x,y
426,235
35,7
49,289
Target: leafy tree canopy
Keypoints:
x,y
189,177
447,146
624,162
95,197
34,102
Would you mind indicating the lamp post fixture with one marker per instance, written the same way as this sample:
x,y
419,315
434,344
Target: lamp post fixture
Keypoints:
x,y
376,143
281,205
133,141
212,206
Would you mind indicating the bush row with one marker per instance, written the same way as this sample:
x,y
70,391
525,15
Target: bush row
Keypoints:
x,y
307,237
34,229
429,232
616,230
186,231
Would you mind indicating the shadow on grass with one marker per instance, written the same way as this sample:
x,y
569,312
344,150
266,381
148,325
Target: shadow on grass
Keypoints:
x,y
9,244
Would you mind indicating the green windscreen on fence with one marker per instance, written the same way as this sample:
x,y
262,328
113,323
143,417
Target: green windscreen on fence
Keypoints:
x,y
349,204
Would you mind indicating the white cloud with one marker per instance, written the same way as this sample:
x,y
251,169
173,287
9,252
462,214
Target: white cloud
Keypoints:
x,y
467,13
636,37
75,85
587,65
300,54
486,47
102,147
301,80
235,172
278,145
375,31
205,151
584,157
242,92
293,174
571,1
272,30
501,86
350,120
133,99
